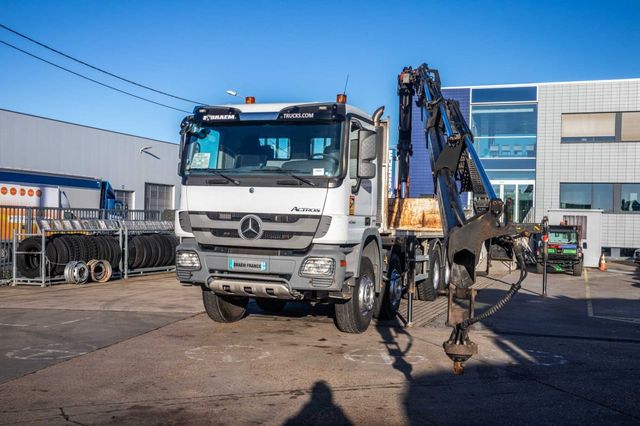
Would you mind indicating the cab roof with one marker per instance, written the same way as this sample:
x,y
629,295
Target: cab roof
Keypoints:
x,y
277,107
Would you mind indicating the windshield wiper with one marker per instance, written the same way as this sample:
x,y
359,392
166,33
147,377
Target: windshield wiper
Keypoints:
x,y
288,173
230,179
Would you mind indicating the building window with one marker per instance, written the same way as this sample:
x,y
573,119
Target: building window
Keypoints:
x,y
125,197
599,127
626,251
586,196
158,197
630,131
630,197
505,94
505,131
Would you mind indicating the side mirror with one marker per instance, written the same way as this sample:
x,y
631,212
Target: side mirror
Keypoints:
x,y
584,244
185,127
366,154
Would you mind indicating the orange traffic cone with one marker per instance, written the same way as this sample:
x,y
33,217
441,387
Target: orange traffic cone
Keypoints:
x,y
603,263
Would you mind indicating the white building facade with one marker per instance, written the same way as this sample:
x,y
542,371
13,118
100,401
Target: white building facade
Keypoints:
x,y
559,145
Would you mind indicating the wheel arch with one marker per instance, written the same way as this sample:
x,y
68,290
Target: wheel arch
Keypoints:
x,y
370,246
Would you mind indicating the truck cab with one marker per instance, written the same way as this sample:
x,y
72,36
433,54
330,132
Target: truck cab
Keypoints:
x,y
280,202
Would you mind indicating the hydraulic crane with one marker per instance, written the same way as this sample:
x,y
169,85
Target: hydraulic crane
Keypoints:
x,y
456,169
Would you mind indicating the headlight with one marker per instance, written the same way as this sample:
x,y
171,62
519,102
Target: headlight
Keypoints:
x,y
316,266
187,259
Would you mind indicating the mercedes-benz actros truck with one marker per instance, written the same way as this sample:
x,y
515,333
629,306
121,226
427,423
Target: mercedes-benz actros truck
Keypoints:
x,y
290,202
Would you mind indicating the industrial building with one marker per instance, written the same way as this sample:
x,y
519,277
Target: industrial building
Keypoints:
x,y
560,145
142,171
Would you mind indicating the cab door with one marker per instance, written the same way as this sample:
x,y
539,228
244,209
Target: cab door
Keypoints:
x,y
362,203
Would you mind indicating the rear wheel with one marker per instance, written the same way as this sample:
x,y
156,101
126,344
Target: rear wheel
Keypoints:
x,y
428,289
224,308
354,315
392,294
271,305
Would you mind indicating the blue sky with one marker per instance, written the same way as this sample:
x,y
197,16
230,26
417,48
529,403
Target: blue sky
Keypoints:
x,y
297,51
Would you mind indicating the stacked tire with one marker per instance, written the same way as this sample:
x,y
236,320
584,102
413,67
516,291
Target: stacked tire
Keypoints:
x,y
152,251
62,249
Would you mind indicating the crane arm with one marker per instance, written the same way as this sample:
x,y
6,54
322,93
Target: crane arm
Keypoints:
x,y
456,168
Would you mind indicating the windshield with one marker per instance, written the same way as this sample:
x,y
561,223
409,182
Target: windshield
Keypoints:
x,y
568,237
303,149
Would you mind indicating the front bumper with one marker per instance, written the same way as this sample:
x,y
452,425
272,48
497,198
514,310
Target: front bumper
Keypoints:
x,y
256,275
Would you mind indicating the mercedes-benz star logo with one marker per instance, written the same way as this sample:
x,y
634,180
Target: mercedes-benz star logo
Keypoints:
x,y
250,227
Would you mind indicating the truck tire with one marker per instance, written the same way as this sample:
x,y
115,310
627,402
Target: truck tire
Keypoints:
x,y
271,305
577,269
224,308
392,292
354,315
28,263
428,289
539,268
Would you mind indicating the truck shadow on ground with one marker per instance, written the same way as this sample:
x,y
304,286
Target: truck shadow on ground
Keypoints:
x,y
547,363
526,376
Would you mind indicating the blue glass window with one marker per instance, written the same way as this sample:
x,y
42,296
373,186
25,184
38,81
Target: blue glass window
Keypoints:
x,y
505,131
505,94
511,175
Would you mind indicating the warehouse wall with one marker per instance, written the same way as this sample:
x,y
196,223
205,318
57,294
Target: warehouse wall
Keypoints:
x,y
44,145
613,162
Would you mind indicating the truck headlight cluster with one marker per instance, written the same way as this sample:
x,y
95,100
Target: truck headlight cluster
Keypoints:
x,y
318,266
187,259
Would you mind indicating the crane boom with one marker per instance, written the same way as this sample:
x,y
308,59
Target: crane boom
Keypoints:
x,y
456,168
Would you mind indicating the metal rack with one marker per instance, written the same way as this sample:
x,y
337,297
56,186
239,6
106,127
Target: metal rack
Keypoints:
x,y
45,279
132,227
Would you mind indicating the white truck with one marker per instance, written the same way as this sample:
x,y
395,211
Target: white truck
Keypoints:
x,y
286,202
289,202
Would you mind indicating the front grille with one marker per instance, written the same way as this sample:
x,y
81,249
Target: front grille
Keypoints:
x,y
225,233
279,231
277,235
267,218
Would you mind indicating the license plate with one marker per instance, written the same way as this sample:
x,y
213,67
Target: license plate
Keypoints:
x,y
247,265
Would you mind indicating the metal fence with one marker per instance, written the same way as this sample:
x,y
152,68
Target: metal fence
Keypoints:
x,y
23,220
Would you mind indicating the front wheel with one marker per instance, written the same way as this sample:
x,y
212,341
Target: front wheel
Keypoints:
x,y
224,308
577,269
354,315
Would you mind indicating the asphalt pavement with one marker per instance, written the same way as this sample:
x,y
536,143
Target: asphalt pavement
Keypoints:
x,y
142,351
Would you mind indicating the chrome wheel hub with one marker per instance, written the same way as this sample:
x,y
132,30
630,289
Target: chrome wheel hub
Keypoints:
x,y
436,274
366,295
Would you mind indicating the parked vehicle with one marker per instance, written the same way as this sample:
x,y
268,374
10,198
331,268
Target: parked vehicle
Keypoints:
x,y
564,250
290,202
36,189
636,256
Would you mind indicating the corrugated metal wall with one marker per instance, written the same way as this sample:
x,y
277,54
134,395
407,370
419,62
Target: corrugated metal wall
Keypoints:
x,y
44,145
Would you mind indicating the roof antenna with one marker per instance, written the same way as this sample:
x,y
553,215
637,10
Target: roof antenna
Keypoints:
x,y
344,92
